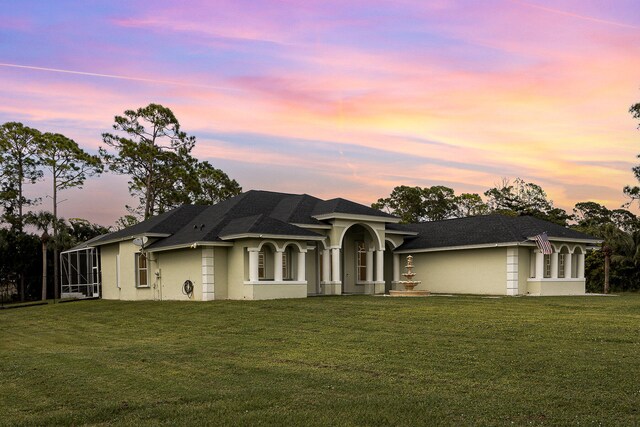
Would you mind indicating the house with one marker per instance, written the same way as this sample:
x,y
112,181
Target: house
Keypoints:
x,y
264,245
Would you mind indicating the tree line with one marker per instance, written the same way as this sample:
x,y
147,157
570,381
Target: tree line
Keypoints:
x,y
149,147
615,266
146,144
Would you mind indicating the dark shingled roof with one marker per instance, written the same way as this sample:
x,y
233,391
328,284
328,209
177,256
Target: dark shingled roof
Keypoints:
x,y
481,230
253,212
347,207
165,223
261,224
85,245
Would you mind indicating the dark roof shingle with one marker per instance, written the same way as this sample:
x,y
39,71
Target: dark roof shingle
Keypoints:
x,y
262,212
480,230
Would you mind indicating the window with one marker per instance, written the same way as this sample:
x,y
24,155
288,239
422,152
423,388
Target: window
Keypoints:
x,y
561,266
547,266
142,279
361,262
286,264
532,264
261,270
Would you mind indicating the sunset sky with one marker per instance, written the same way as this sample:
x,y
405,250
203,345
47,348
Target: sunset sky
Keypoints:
x,y
341,98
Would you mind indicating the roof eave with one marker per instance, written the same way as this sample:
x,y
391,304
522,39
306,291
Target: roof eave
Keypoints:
x,y
131,237
573,240
192,245
270,236
356,217
312,226
462,247
401,232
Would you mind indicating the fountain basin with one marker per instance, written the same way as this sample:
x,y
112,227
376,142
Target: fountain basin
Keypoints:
x,y
409,293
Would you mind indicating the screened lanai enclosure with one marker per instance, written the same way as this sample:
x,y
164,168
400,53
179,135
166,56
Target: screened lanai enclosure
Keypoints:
x,y
80,272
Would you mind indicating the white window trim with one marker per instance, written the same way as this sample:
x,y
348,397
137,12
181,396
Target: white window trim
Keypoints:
x,y
262,265
546,266
361,249
286,264
138,269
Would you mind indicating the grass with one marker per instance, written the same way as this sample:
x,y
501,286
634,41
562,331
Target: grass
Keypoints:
x,y
324,361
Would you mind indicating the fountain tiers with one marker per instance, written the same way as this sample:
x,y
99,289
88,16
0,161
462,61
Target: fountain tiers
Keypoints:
x,y
409,284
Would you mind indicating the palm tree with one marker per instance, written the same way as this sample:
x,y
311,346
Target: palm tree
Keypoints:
x,y
614,248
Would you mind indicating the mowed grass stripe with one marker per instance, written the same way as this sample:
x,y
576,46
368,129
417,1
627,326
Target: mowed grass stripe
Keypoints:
x,y
321,361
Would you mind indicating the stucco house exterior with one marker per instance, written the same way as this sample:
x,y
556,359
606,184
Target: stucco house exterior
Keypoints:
x,y
264,245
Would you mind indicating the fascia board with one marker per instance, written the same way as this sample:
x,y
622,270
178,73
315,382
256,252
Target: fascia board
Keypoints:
x,y
457,248
270,236
402,233
191,245
316,226
131,237
355,217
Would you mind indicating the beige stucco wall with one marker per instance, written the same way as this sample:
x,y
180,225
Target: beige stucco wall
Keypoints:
x,y
236,261
524,259
470,271
108,255
127,279
560,287
174,266
311,274
272,291
177,266
221,262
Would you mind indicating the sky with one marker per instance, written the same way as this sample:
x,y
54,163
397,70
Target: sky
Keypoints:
x,y
340,98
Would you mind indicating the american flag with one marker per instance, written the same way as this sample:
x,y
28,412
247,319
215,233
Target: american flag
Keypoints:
x,y
542,240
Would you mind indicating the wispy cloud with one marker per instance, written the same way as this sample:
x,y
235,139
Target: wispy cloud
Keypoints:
x,y
354,97
575,15
118,77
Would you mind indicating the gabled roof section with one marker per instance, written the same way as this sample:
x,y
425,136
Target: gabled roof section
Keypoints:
x,y
85,245
263,225
297,209
164,224
485,230
251,213
343,206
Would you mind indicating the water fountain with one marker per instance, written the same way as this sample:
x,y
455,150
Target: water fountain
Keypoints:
x,y
409,283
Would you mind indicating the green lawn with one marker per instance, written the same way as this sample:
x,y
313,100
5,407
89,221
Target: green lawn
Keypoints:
x,y
324,361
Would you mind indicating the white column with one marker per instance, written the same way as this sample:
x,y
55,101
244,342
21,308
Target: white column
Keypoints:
x,y
380,266
568,259
539,264
580,266
301,267
396,267
369,277
253,264
208,283
326,266
277,266
554,265
335,265
512,271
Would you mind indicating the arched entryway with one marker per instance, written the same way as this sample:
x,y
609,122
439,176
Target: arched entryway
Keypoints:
x,y
362,261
